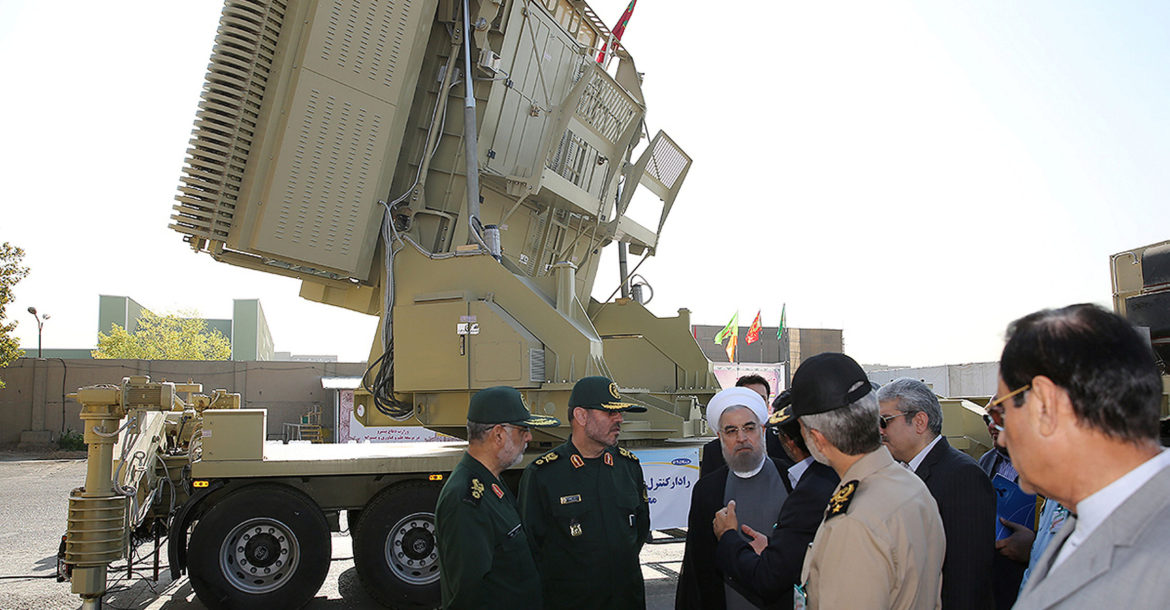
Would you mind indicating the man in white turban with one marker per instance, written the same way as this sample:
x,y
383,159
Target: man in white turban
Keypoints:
x,y
753,481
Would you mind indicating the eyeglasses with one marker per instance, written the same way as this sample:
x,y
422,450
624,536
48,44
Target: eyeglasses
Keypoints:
x,y
522,429
748,428
884,421
995,407
1001,399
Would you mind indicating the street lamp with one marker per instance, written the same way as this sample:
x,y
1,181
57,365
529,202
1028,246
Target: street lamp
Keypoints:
x,y
40,326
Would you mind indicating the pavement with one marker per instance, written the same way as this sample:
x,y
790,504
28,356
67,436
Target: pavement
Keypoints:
x,y
34,497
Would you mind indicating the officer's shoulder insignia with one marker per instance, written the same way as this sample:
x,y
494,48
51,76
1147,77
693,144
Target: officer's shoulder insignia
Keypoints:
x,y
499,492
607,457
549,457
839,503
474,492
576,460
626,453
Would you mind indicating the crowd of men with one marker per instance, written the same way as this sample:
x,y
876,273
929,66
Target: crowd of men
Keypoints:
x,y
843,494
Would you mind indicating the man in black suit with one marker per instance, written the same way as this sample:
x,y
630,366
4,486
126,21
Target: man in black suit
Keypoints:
x,y
766,569
712,455
910,421
749,479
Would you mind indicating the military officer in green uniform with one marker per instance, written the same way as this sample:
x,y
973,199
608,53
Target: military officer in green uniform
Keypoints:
x,y
586,509
485,560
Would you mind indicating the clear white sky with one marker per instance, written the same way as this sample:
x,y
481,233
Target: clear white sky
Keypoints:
x,y
916,173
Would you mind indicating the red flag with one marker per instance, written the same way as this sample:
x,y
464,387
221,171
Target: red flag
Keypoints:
x,y
618,29
753,333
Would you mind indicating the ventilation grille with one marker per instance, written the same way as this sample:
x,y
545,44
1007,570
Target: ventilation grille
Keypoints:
x,y
667,162
536,365
229,109
605,108
365,40
575,160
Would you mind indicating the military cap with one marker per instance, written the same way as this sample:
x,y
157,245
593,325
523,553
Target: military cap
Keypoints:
x,y
504,405
825,383
781,409
780,417
601,393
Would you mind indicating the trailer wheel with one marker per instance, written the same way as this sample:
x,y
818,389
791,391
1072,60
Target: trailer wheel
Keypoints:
x,y
264,546
394,547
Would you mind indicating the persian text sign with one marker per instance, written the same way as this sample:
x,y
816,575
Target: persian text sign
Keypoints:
x,y
670,474
350,429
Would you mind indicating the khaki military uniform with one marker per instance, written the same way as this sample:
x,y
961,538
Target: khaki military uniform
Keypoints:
x,y
484,556
881,544
587,519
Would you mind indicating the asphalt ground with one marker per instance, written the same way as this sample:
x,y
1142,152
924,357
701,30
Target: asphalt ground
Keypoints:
x,y
34,498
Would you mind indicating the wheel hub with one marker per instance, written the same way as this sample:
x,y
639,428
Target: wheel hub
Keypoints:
x,y
262,550
259,554
410,549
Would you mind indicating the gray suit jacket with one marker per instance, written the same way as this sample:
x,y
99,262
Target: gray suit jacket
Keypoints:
x,y
1124,563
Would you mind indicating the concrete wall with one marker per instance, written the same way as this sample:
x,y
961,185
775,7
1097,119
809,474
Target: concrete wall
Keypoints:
x,y
35,396
123,311
251,339
948,380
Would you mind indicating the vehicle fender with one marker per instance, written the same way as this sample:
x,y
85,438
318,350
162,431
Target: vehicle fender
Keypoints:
x,y
177,533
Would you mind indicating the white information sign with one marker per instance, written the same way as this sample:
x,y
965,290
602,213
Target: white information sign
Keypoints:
x,y
351,430
670,475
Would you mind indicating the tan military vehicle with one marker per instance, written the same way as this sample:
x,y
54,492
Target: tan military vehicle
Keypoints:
x,y
454,167
1141,293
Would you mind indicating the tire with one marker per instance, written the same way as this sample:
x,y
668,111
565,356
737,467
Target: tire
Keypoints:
x,y
394,547
263,546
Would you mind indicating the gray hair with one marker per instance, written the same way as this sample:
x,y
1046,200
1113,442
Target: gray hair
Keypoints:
x,y
913,396
477,431
851,429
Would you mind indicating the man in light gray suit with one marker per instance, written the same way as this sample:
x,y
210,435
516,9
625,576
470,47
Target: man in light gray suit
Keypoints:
x,y
1078,400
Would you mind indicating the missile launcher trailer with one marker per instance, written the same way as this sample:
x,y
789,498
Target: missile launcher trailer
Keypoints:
x,y
454,167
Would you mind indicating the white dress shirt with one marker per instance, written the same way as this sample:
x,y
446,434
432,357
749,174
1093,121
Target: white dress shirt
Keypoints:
x,y
796,470
914,463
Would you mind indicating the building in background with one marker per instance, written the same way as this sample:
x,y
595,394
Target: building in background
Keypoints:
x,y
971,380
796,345
247,330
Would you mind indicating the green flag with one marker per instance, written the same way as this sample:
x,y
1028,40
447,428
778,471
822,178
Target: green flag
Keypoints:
x,y
730,330
780,330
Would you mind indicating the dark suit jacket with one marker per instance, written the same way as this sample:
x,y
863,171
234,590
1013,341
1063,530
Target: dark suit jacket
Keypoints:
x,y
1006,574
712,456
966,503
700,584
770,575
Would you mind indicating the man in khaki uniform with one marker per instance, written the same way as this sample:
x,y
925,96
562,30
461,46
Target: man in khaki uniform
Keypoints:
x,y
881,543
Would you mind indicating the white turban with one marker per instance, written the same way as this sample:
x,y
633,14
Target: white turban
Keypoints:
x,y
735,397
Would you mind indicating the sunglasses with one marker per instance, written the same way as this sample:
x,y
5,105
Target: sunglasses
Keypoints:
x,y
885,420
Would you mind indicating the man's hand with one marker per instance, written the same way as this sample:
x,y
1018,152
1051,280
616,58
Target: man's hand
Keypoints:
x,y
1017,546
759,541
725,520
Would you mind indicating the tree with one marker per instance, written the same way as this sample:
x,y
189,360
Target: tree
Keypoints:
x,y
11,272
168,337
